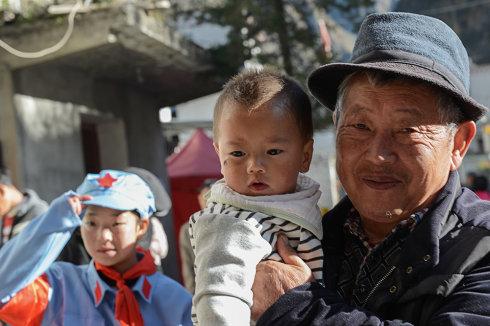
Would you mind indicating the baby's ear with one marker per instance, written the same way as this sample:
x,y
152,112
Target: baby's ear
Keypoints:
x,y
307,155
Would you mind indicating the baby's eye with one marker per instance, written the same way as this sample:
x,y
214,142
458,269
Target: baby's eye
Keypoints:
x,y
237,153
118,224
274,151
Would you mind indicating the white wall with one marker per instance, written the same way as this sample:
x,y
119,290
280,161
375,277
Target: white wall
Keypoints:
x,y
200,109
480,83
322,167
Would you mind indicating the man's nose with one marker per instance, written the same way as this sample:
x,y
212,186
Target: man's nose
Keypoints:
x,y
255,165
381,148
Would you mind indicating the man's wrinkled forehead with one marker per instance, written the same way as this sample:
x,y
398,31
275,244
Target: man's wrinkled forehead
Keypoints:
x,y
409,95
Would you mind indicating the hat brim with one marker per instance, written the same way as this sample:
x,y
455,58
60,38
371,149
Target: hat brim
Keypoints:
x,y
163,203
324,82
116,202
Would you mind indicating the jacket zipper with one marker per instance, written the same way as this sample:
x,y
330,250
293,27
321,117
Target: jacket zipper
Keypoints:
x,y
377,284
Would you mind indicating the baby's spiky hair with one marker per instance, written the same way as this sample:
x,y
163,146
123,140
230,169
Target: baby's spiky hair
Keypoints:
x,y
252,88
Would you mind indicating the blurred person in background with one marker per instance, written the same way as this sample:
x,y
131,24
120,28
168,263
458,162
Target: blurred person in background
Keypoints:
x,y
480,187
17,208
187,256
156,238
469,181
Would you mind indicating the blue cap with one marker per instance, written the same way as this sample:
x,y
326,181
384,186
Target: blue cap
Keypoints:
x,y
118,190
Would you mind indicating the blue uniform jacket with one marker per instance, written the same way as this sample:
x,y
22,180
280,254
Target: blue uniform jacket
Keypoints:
x,y
77,295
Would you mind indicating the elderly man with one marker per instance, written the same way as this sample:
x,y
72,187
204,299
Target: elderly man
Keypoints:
x,y
408,244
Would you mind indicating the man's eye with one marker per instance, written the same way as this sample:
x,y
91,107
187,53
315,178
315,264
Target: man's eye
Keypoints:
x,y
237,153
274,151
118,224
408,130
361,126
90,223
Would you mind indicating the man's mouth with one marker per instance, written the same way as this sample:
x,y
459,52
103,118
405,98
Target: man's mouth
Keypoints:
x,y
380,182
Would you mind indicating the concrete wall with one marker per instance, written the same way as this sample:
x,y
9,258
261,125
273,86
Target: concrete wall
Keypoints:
x,y
50,140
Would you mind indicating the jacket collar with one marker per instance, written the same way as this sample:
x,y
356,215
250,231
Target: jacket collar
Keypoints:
x,y
422,245
99,288
299,207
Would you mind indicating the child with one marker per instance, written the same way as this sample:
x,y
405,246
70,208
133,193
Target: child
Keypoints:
x,y
119,286
263,136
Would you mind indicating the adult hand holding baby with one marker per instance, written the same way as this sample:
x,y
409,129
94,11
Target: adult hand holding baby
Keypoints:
x,y
273,279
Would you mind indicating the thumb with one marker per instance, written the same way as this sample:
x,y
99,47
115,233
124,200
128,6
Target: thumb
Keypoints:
x,y
288,254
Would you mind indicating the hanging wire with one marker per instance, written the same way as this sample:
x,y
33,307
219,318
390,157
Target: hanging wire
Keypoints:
x,y
62,42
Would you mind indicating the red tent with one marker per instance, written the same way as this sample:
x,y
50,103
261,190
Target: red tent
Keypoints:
x,y
187,169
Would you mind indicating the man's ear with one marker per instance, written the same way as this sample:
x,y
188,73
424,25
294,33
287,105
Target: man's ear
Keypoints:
x,y
462,138
307,155
143,225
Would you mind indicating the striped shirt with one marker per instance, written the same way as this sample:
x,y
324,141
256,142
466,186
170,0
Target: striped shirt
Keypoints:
x,y
235,232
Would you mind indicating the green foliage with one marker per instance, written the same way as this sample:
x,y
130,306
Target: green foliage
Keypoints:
x,y
278,33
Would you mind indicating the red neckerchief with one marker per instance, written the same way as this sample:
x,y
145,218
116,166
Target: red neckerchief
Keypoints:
x,y
127,308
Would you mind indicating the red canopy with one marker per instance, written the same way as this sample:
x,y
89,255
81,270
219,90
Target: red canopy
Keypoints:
x,y
187,170
197,158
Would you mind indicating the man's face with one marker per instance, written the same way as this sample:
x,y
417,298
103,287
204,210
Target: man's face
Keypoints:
x,y
110,236
393,154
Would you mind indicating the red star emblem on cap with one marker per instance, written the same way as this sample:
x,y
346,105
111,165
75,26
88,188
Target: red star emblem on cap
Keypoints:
x,y
106,181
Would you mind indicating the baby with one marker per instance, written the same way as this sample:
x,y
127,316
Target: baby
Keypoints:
x,y
263,136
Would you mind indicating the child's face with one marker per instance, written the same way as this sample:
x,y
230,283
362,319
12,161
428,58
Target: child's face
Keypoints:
x,y
261,153
110,236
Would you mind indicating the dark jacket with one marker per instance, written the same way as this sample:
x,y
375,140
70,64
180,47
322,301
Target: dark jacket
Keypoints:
x,y
31,206
442,277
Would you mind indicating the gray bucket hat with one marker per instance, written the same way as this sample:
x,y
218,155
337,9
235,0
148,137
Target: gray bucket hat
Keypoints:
x,y
410,45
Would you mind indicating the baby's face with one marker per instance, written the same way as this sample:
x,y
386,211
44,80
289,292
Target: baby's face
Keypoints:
x,y
261,153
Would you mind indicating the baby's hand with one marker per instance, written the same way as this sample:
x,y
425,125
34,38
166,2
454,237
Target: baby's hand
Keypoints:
x,y
76,203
